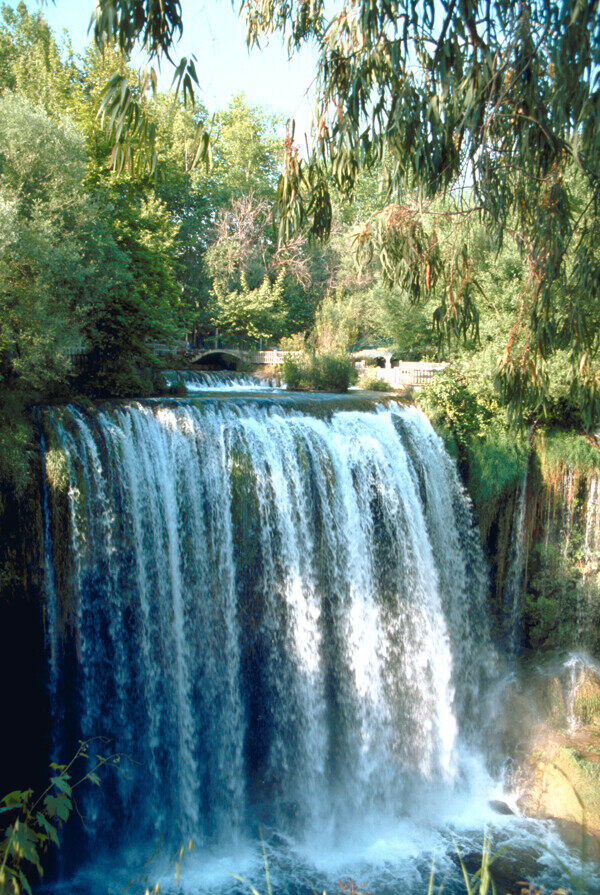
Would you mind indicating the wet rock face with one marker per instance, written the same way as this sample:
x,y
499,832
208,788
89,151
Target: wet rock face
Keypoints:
x,y
586,701
523,704
557,769
560,781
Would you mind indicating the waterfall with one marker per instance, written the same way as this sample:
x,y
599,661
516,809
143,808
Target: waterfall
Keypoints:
x,y
513,589
570,522
276,617
592,525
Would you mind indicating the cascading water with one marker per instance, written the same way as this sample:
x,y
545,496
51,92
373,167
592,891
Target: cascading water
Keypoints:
x,y
195,381
513,589
278,617
592,526
571,524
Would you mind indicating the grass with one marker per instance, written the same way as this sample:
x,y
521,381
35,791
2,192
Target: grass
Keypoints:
x,y
559,450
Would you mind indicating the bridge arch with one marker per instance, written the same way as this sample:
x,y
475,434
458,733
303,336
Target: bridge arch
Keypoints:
x,y
218,359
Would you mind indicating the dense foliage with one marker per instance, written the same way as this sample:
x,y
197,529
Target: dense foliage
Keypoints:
x,y
95,269
326,371
101,274
493,105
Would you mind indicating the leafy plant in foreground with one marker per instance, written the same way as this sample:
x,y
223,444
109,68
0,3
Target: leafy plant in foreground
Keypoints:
x,y
35,820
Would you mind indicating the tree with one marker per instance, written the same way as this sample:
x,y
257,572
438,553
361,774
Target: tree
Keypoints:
x,y
213,208
243,241
251,313
245,251
48,238
247,154
32,63
143,306
79,269
493,103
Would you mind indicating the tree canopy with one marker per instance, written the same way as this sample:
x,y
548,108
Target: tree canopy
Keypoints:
x,y
493,105
106,263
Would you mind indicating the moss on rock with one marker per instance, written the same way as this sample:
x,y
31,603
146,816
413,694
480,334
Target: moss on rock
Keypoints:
x,y
586,707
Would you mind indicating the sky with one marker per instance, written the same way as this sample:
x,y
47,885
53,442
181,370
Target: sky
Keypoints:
x,y
214,33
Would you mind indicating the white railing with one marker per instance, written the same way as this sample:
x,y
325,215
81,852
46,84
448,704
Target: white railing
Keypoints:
x,y
407,373
271,358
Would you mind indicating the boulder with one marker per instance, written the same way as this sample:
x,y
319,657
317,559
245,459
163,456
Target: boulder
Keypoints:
x,y
500,807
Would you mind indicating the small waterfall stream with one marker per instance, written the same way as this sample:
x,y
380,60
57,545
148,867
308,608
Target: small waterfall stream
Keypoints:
x,y
515,579
592,526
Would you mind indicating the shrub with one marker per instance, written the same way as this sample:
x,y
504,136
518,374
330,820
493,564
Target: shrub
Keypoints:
x,y
374,384
337,371
296,372
552,599
329,371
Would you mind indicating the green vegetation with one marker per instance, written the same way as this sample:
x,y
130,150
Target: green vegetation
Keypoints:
x,y
326,371
373,384
106,266
423,100
552,600
34,820
560,450
254,313
501,97
439,94
473,424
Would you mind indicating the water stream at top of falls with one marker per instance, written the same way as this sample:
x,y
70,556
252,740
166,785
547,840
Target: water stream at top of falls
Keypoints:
x,y
278,616
198,381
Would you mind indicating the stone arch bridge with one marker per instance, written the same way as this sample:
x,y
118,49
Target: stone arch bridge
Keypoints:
x,y
383,365
235,358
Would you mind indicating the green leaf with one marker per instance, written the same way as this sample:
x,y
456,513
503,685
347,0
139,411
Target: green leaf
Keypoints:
x,y
61,784
24,882
47,826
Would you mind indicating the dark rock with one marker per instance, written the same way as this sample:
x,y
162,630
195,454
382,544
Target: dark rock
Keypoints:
x,y
500,807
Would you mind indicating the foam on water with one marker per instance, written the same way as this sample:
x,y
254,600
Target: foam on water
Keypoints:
x,y
198,381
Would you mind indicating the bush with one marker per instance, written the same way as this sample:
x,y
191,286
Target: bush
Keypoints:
x,y
374,384
336,372
329,371
295,372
